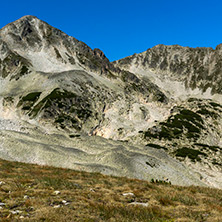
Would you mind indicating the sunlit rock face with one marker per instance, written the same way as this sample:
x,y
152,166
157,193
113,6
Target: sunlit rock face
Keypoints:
x,y
151,115
51,77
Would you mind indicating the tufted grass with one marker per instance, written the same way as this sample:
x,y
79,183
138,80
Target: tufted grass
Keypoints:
x,y
95,197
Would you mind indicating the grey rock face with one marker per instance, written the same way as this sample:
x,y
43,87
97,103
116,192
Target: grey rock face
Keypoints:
x,y
195,67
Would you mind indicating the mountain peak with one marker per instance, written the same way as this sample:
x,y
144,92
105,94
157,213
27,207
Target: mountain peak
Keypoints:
x,y
28,17
24,18
45,47
20,22
48,49
22,28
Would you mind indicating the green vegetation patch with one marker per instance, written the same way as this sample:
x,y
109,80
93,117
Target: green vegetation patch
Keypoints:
x,y
190,115
31,96
63,119
156,146
190,153
64,108
74,135
58,55
58,94
8,100
213,104
55,95
28,101
205,146
23,71
207,112
185,122
214,162
194,100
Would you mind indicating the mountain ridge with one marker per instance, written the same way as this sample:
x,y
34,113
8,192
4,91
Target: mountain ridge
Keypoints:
x,y
196,67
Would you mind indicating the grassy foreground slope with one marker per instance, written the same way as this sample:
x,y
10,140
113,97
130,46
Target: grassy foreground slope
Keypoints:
x,y
40,193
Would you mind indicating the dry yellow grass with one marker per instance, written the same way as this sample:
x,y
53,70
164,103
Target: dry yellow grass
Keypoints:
x,y
27,193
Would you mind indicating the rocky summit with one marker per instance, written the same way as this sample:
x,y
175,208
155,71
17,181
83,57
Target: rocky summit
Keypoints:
x,y
153,115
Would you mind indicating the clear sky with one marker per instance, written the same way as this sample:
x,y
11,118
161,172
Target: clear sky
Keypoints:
x,y
123,27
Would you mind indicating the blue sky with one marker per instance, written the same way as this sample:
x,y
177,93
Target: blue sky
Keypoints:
x,y
124,27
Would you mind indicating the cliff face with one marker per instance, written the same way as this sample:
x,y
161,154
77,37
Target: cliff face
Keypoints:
x,y
55,92
195,67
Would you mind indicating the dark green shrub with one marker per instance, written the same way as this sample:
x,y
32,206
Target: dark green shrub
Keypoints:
x,y
190,153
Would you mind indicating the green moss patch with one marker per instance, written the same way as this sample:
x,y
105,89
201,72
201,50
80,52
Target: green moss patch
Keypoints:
x,y
186,122
64,108
74,135
156,146
58,94
194,100
190,153
54,97
28,101
205,146
207,112
31,96
213,104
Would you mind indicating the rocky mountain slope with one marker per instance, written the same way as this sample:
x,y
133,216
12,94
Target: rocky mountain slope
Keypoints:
x,y
191,79
64,104
196,68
